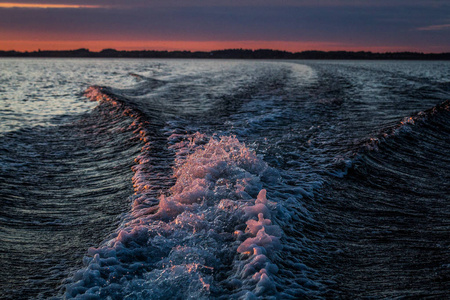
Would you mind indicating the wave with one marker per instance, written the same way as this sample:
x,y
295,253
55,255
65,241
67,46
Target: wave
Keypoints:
x,y
210,234
436,115
389,214
406,125
63,187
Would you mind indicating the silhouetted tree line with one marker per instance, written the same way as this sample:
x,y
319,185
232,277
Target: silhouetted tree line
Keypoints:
x,y
230,54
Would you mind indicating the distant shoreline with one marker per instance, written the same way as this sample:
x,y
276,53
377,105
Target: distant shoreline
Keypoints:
x,y
229,54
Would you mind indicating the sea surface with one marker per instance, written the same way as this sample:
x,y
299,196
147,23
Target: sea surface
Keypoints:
x,y
224,179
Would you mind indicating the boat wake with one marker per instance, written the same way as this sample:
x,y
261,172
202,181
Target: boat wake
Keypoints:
x,y
211,234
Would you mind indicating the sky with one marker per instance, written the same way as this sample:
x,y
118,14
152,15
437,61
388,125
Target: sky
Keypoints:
x,y
204,25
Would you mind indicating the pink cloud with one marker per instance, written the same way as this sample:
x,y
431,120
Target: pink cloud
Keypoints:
x,y
435,27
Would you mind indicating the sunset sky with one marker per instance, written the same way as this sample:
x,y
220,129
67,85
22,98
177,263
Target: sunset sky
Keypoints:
x,y
293,25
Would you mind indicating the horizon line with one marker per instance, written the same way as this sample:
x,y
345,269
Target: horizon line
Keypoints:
x,y
224,49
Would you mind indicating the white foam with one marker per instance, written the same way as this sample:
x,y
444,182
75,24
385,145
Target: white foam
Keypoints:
x,y
211,232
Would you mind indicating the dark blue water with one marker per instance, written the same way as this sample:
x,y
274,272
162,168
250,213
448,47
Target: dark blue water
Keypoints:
x,y
191,179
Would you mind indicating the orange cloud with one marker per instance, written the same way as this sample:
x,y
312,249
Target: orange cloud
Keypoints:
x,y
33,5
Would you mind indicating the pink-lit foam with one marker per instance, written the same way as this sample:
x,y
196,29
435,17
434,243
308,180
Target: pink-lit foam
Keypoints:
x,y
178,247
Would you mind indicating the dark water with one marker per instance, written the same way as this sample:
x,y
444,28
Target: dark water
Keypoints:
x,y
196,179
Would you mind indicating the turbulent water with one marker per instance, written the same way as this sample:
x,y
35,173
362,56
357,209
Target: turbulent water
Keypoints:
x,y
221,179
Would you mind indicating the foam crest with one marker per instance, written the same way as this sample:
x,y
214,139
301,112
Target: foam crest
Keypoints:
x,y
405,126
210,234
